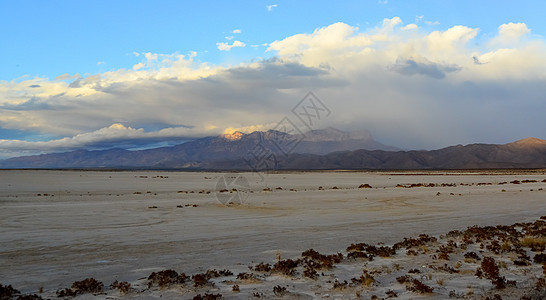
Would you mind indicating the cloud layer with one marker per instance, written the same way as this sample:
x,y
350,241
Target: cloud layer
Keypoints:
x,y
410,87
226,47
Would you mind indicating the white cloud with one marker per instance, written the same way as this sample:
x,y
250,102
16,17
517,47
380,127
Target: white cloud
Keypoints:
x,y
389,24
420,18
270,7
319,46
227,47
511,33
113,134
235,31
410,27
449,42
67,76
138,66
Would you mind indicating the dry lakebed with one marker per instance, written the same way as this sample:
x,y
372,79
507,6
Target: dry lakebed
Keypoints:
x,y
292,235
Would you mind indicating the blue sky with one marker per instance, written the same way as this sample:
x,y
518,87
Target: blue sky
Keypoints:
x,y
98,74
50,38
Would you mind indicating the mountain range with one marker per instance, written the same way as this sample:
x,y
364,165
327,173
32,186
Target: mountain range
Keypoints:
x,y
325,149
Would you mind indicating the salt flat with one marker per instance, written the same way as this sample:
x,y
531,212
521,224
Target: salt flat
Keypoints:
x,y
60,226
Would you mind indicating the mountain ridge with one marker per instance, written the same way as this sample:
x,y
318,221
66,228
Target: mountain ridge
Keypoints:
x,y
213,148
530,141
318,149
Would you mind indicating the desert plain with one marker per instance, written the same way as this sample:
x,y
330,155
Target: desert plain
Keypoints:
x,y
59,227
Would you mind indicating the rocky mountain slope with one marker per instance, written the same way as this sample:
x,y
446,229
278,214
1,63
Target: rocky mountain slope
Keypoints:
x,y
205,151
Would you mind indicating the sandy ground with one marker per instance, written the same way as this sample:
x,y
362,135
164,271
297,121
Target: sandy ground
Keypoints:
x,y
57,227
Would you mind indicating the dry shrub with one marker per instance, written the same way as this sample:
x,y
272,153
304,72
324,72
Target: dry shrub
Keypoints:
x,y
279,291
419,287
471,255
364,186
66,293
540,258
199,280
391,294
165,278
494,247
122,286
225,272
490,268
407,243
412,252
506,247
340,285
536,244
310,272
521,262
207,297
215,274
261,267
29,297
7,291
448,269
541,284
358,254
445,249
246,276
365,279
443,255
319,261
522,255
383,251
88,285
414,285
499,282
286,267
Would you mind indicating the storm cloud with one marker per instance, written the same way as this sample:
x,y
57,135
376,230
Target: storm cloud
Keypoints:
x,y
422,67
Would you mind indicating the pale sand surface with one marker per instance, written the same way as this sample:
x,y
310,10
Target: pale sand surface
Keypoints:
x,y
92,224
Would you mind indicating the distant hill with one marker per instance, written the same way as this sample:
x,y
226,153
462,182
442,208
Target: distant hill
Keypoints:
x,y
205,151
325,149
526,153
330,140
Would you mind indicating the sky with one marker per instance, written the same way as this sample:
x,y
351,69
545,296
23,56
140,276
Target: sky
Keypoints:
x,y
141,74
